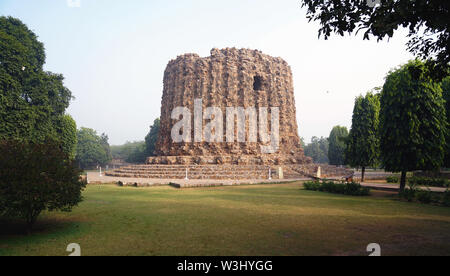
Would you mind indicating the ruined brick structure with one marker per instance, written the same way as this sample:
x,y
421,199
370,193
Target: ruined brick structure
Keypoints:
x,y
229,78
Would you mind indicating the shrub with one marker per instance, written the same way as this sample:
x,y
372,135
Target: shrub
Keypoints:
x,y
392,179
425,197
354,189
408,194
37,177
446,199
429,182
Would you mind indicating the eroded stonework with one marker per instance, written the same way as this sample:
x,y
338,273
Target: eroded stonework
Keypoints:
x,y
229,78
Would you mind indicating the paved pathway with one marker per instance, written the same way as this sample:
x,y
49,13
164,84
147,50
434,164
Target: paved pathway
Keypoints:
x,y
396,187
95,178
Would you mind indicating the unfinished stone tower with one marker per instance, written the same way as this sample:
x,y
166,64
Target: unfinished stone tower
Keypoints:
x,y
229,78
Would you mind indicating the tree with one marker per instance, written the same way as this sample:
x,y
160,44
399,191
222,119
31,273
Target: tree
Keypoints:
x,y
92,150
67,132
302,142
131,152
152,137
427,21
37,177
363,142
337,146
446,94
412,121
32,101
318,150
137,152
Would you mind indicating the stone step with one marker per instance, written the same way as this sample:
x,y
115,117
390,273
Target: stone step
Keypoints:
x,y
225,171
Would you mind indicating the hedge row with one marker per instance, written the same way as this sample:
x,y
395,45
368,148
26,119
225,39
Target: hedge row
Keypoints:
x,y
354,189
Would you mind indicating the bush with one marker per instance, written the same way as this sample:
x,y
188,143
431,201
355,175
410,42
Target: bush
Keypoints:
x,y
408,194
392,179
354,189
425,197
429,182
446,199
37,177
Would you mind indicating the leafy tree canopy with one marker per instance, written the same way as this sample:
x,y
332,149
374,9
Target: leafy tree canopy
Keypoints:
x,y
363,141
92,149
32,101
36,177
427,20
152,137
412,121
446,94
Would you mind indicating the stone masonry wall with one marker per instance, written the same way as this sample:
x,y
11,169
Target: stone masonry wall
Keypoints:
x,y
229,78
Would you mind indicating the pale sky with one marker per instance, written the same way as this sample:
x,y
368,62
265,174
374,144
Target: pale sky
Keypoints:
x,y
113,54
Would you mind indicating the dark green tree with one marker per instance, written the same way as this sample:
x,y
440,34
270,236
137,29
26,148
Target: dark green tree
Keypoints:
x,y
337,146
35,177
67,133
413,122
446,94
32,101
318,150
92,149
427,20
152,137
363,141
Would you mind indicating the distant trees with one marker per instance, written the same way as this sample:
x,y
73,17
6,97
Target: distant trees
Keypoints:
x,y
363,141
35,177
318,150
337,146
413,123
92,149
137,152
32,102
426,20
131,152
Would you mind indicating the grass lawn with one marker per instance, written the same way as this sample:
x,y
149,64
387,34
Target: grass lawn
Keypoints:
x,y
246,220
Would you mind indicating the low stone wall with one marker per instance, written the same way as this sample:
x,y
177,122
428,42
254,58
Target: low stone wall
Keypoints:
x,y
444,175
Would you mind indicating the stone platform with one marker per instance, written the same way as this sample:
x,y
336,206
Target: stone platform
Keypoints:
x,y
227,172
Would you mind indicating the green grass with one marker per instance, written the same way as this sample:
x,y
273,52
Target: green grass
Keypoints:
x,y
278,219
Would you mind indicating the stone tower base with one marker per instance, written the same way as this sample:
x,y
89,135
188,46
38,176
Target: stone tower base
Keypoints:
x,y
229,160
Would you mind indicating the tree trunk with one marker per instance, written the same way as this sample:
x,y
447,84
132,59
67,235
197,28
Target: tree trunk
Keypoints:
x,y
363,174
403,182
31,220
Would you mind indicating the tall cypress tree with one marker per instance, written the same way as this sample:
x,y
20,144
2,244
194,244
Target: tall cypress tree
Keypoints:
x,y
336,150
363,142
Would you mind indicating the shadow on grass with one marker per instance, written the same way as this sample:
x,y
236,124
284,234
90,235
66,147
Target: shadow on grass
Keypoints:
x,y
10,227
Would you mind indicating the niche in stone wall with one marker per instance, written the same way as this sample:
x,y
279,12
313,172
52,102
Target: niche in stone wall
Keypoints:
x,y
257,83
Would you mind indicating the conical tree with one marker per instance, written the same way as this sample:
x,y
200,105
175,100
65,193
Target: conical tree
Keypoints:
x,y
363,142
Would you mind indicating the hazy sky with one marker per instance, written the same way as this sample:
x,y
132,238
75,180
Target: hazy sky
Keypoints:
x,y
113,54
